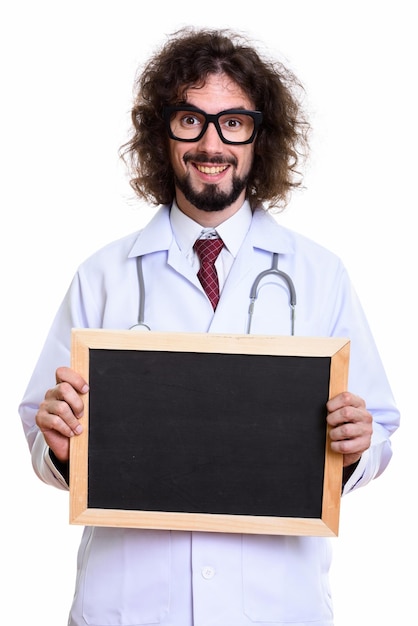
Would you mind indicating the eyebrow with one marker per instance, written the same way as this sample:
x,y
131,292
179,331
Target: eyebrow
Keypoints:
x,y
231,108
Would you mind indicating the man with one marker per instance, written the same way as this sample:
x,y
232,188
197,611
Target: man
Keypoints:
x,y
218,138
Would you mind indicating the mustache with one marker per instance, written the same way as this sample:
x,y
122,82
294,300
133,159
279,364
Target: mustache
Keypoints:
x,y
201,157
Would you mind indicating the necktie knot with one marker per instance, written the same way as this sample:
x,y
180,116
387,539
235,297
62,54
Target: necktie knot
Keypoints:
x,y
208,251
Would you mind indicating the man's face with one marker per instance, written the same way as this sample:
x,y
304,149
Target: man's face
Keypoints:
x,y
210,175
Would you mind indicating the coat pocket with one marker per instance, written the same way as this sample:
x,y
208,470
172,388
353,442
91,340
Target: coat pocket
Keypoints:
x,y
285,580
123,578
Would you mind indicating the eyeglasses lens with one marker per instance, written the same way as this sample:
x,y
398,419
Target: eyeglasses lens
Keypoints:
x,y
236,127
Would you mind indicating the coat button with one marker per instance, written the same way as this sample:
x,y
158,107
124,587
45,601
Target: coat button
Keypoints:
x,y
208,572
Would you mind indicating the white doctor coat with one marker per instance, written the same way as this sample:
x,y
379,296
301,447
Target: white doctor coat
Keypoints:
x,y
130,577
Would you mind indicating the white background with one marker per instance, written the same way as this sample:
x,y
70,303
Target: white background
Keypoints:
x,y
67,74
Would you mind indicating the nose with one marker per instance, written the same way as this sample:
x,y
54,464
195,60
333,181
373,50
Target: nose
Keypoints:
x,y
211,141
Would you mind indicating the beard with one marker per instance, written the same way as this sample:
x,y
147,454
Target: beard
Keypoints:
x,y
211,198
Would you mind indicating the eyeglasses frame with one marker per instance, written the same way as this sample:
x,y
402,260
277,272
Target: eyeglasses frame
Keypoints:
x,y
257,117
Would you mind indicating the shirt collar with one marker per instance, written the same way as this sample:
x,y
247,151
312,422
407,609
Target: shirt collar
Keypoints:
x,y
158,234
232,231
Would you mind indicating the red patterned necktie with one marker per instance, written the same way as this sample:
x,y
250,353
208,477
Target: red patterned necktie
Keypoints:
x,y
208,250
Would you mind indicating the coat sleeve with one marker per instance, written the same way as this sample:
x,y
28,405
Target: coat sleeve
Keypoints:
x,y
55,353
367,378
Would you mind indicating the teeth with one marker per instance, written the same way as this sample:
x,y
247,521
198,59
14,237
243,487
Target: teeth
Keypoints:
x,y
215,169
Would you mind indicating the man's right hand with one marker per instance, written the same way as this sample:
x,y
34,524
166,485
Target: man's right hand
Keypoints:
x,y
59,413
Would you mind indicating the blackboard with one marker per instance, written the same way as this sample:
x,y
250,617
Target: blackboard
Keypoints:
x,y
207,432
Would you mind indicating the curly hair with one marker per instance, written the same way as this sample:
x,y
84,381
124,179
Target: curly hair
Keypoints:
x,y
186,59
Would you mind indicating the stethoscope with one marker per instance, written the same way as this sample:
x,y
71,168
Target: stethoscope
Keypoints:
x,y
255,289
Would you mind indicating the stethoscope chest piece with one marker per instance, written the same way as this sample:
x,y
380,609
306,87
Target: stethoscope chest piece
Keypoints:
x,y
140,327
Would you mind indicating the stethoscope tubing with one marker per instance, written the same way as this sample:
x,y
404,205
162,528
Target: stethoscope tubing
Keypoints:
x,y
273,271
255,289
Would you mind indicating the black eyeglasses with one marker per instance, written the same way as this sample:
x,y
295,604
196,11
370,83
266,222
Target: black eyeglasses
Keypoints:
x,y
234,126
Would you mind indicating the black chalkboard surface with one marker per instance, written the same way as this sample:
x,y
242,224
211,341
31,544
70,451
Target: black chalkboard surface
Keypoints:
x,y
207,432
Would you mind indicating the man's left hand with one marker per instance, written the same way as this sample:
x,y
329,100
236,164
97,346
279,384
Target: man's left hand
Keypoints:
x,y
351,426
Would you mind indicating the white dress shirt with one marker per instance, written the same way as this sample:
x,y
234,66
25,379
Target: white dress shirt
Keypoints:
x,y
232,232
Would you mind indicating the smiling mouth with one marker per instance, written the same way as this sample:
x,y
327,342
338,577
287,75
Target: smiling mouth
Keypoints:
x,y
212,169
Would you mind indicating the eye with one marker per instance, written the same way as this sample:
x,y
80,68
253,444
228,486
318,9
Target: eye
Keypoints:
x,y
236,123
232,123
190,120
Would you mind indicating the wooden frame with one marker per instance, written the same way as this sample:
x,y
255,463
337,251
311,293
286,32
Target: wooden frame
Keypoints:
x,y
239,356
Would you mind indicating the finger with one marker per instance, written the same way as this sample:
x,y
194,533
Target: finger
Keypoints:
x,y
345,399
64,394
351,431
68,375
56,415
351,447
342,420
